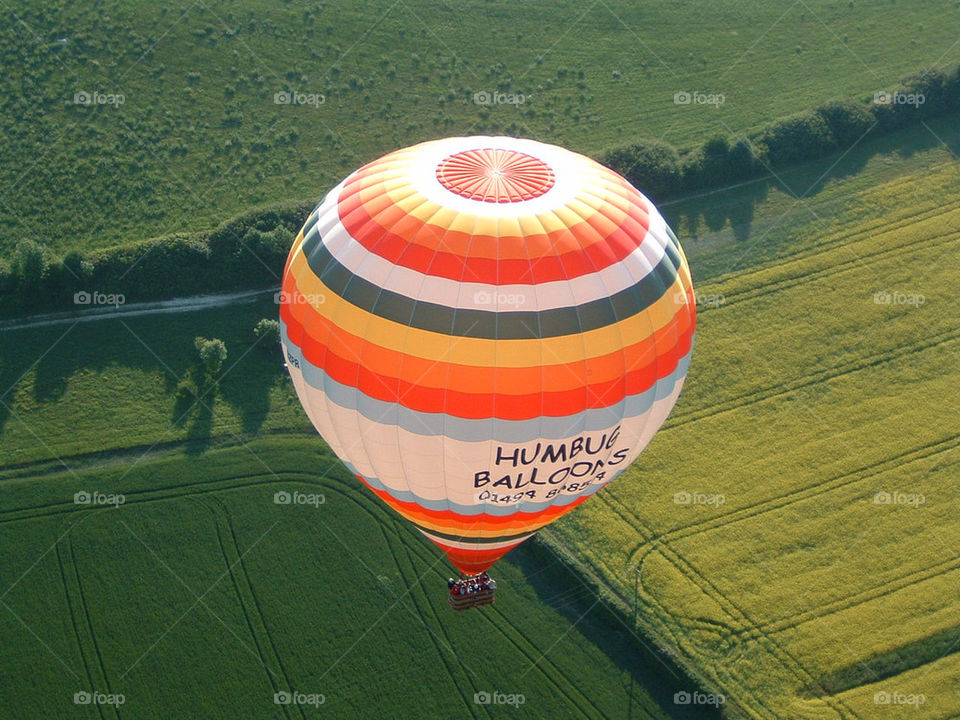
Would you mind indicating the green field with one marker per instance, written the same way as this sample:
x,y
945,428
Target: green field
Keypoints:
x,y
798,596
110,385
779,574
201,597
199,139
789,539
344,600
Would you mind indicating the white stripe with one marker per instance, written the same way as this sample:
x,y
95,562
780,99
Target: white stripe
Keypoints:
x,y
483,296
437,468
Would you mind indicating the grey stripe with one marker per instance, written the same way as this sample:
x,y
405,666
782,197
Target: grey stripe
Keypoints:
x,y
465,322
469,430
471,540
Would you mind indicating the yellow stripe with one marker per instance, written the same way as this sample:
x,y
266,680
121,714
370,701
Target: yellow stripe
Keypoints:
x,y
484,352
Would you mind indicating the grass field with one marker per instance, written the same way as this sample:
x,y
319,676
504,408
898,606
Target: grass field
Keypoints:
x,y
98,412
199,137
790,538
111,385
201,597
796,597
791,533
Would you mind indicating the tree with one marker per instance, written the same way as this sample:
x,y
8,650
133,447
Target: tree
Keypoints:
x,y
715,162
28,263
796,138
951,88
212,354
75,269
847,120
267,329
651,167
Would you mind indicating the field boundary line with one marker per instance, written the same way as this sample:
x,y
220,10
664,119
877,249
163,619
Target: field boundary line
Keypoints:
x,y
827,270
778,502
190,303
159,494
895,585
660,633
89,619
73,618
109,457
234,560
773,648
854,365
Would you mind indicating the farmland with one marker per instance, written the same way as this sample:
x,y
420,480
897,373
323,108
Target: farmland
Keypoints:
x,y
792,530
200,595
789,539
763,597
199,136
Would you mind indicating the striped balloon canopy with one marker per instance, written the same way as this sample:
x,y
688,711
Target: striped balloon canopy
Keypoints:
x,y
486,331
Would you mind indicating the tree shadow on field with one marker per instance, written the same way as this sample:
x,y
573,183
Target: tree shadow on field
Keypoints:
x,y
193,409
143,357
41,362
735,206
648,668
716,211
248,392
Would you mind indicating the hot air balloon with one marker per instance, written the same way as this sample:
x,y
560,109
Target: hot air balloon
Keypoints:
x,y
486,331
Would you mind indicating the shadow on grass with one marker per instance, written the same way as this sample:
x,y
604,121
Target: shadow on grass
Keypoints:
x,y
41,362
660,677
736,206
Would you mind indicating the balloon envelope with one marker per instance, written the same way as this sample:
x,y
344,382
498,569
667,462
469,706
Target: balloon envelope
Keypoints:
x,y
486,331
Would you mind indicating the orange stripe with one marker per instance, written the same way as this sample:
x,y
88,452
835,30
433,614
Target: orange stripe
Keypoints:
x,y
482,525
579,249
374,193
472,562
657,363
392,365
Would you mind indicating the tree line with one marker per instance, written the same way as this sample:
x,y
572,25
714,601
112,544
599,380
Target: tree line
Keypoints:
x,y
249,251
662,172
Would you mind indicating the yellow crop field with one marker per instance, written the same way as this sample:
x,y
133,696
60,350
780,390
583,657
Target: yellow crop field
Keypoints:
x,y
791,535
